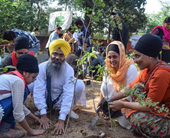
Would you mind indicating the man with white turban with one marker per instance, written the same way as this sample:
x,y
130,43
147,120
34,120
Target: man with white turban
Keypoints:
x,y
54,86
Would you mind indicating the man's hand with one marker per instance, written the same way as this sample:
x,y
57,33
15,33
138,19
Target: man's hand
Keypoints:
x,y
116,105
59,127
44,122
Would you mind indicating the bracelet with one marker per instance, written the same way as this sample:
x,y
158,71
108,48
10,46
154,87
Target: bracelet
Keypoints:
x,y
110,100
32,132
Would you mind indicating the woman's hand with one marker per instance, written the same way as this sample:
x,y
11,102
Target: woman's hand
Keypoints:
x,y
116,105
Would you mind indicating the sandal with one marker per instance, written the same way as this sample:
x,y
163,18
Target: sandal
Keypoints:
x,y
105,117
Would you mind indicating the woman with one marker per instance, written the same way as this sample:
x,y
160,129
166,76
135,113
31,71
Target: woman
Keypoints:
x,y
164,33
13,93
68,36
146,119
121,71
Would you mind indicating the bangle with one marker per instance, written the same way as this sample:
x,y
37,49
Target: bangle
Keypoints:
x,y
32,131
110,100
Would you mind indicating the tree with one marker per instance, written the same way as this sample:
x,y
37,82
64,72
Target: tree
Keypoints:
x,y
132,10
20,15
154,20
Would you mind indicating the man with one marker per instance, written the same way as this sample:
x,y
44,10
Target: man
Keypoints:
x,y
54,86
34,43
54,35
102,46
75,36
35,31
21,47
72,61
83,40
120,34
83,36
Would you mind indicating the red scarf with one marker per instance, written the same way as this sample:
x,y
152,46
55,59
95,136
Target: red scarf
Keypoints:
x,y
14,59
18,74
166,32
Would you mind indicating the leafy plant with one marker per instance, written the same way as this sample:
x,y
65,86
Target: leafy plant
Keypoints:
x,y
138,93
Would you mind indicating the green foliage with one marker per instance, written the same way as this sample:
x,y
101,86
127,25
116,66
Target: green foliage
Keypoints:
x,y
100,13
5,69
156,19
138,92
20,15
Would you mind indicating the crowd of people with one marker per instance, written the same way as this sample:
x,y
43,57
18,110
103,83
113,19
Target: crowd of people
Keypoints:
x,y
57,84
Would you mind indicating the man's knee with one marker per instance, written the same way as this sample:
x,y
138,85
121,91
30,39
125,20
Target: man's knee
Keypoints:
x,y
79,90
80,87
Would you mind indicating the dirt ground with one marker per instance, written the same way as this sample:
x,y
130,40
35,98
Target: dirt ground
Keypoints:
x,y
79,128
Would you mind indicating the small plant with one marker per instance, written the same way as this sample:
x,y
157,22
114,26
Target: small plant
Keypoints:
x,y
138,93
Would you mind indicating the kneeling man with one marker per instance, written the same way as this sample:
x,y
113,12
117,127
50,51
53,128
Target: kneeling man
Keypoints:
x,y
54,86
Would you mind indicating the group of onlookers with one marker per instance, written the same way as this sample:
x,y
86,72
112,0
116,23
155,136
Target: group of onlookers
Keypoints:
x,y
55,85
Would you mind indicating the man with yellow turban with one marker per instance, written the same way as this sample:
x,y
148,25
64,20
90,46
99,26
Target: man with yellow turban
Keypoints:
x,y
54,86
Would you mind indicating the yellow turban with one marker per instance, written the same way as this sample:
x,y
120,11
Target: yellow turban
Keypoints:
x,y
62,44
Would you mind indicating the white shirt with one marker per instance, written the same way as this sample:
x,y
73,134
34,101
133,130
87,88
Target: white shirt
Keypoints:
x,y
62,84
130,77
75,36
14,84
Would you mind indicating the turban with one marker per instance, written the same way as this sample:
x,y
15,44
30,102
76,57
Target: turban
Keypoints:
x,y
149,44
21,42
62,44
113,47
27,63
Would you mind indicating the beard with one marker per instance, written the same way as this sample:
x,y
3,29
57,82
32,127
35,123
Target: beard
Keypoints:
x,y
55,67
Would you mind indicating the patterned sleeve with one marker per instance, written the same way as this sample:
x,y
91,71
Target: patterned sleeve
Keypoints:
x,y
6,61
33,41
19,110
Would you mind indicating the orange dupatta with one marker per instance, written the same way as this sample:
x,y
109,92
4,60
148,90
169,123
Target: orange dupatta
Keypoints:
x,y
119,77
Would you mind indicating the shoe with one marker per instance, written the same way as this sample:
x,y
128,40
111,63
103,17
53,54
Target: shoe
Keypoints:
x,y
12,134
123,122
74,115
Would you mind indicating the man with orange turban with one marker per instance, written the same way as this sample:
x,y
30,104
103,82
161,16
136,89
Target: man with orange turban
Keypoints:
x,y
54,86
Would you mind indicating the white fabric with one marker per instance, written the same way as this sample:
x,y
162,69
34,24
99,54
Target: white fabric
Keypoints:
x,y
108,89
64,21
75,36
1,112
79,94
16,86
73,115
62,84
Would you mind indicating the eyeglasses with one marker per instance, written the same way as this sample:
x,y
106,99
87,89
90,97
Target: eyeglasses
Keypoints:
x,y
58,55
21,53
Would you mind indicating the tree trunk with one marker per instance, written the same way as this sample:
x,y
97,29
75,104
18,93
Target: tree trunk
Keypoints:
x,y
108,35
39,9
87,18
66,6
109,32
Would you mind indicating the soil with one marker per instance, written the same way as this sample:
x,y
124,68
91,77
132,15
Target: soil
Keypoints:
x,y
79,128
